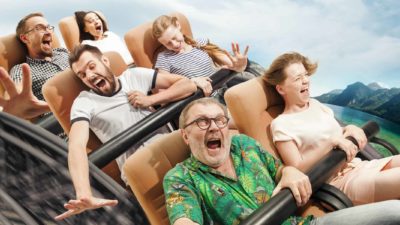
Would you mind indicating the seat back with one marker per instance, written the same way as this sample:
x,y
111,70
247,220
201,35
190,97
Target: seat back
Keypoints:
x,y
60,92
253,106
12,52
146,168
144,47
70,31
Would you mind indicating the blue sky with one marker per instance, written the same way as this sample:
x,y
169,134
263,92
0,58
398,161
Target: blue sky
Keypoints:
x,y
352,40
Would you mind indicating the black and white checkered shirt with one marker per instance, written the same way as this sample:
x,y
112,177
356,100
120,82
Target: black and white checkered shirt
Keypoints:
x,y
42,70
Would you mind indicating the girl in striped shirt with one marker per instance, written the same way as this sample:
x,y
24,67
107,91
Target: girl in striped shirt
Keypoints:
x,y
195,59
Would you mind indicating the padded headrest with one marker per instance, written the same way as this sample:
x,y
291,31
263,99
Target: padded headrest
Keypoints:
x,y
156,158
70,31
12,52
144,47
253,105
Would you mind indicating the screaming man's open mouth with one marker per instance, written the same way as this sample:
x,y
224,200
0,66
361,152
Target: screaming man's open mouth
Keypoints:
x,y
214,143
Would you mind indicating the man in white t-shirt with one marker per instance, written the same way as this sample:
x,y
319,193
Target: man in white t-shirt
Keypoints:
x,y
107,110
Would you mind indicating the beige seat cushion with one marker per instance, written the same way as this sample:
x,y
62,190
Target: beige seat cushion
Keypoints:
x,y
253,106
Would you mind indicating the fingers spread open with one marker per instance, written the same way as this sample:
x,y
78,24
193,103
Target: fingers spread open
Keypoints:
x,y
246,51
27,79
229,56
107,202
65,215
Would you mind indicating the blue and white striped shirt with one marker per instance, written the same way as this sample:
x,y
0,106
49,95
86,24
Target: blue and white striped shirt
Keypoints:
x,y
195,63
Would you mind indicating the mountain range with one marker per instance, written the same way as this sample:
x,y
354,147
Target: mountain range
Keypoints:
x,y
371,98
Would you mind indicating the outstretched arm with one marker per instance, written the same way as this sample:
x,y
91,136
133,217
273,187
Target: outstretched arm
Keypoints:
x,y
174,87
22,103
79,170
291,155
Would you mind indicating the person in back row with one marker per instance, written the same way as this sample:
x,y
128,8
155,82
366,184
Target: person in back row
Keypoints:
x,y
36,34
199,59
106,110
227,178
307,130
93,30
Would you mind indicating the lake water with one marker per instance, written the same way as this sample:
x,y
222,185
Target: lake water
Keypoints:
x,y
389,131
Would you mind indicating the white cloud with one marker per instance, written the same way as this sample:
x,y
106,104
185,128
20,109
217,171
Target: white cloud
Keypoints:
x,y
335,33
353,40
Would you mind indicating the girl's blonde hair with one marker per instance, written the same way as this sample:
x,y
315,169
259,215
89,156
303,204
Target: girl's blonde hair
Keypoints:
x,y
161,24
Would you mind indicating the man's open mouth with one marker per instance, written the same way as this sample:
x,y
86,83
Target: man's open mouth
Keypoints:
x,y
213,143
304,90
47,42
100,83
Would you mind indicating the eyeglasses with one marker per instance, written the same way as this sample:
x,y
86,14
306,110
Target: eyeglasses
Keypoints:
x,y
204,123
41,28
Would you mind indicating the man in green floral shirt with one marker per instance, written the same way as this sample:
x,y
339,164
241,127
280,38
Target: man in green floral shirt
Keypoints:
x,y
227,178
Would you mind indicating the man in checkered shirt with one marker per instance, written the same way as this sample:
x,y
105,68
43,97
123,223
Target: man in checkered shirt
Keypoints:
x,y
35,33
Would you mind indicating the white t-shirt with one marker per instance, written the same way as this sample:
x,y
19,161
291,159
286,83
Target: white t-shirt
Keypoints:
x,y
308,128
109,116
111,43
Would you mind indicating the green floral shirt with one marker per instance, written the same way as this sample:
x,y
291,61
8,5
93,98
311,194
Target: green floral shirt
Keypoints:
x,y
202,194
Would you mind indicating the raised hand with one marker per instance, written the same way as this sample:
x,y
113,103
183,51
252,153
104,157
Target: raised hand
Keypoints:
x,y
77,206
238,60
22,103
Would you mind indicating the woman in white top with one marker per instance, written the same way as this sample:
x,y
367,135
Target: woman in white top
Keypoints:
x,y
307,130
93,31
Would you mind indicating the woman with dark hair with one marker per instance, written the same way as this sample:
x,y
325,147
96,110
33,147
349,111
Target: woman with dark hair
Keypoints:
x,y
93,30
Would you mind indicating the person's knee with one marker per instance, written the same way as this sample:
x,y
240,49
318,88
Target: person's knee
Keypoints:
x,y
393,205
391,210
